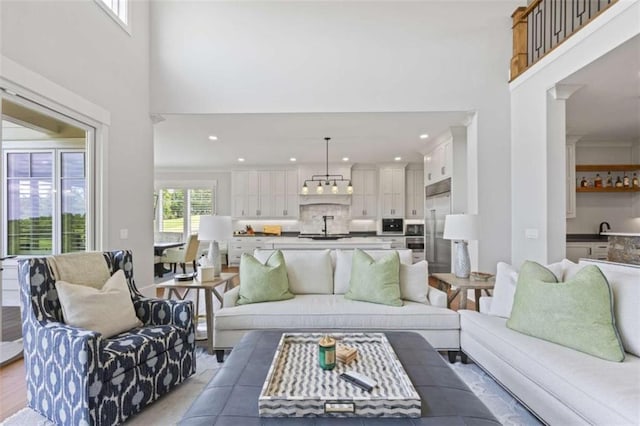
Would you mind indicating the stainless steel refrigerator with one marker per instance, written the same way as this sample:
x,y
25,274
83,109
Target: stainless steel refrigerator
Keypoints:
x,y
437,206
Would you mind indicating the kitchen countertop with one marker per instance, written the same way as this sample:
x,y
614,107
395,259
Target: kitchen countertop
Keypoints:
x,y
586,238
622,234
352,242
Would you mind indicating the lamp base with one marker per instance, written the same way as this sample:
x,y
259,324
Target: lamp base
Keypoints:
x,y
462,265
214,258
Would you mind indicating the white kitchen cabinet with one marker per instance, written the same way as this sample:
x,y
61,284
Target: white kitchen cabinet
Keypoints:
x,y
284,194
392,194
571,179
364,198
239,245
396,242
415,194
439,163
587,250
265,194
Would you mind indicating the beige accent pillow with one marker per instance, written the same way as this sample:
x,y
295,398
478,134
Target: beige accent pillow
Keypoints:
x,y
108,311
88,268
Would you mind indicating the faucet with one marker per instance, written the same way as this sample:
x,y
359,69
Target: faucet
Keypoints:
x,y
324,218
602,226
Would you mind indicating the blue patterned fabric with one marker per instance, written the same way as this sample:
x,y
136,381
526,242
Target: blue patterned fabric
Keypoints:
x,y
74,376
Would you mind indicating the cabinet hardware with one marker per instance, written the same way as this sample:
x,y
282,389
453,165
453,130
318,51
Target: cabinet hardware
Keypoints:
x,y
590,251
442,170
429,176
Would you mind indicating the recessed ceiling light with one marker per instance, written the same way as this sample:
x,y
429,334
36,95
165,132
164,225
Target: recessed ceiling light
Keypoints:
x,y
241,159
293,159
398,158
213,138
345,158
424,136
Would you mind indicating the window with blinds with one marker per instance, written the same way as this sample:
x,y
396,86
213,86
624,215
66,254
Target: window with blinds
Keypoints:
x,y
180,209
45,202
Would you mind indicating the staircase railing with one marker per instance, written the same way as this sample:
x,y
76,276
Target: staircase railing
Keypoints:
x,y
545,24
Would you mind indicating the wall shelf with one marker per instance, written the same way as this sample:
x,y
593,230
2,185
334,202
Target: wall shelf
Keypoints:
x,y
607,167
592,189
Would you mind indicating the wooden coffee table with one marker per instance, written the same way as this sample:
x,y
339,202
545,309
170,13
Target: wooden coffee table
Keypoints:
x,y
461,285
182,288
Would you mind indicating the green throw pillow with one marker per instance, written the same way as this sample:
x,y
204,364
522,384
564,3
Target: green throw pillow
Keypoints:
x,y
375,281
577,313
263,283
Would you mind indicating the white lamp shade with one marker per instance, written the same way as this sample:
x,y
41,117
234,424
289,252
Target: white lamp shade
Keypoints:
x,y
215,228
460,227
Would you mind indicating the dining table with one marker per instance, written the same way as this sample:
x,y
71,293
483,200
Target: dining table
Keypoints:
x,y
158,248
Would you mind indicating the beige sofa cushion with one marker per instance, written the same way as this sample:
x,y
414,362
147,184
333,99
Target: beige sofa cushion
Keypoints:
x,y
309,271
335,312
609,392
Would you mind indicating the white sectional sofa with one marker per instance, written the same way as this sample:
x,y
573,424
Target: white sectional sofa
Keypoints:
x,y
560,385
319,279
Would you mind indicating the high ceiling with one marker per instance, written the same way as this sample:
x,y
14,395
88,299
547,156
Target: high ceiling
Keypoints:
x,y
607,108
182,141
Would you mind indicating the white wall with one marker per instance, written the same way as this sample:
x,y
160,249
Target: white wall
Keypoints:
x,y
593,208
78,47
348,57
530,166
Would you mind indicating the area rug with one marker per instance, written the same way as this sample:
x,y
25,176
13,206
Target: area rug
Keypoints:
x,y
169,409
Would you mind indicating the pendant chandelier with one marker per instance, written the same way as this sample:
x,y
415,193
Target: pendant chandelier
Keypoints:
x,y
320,181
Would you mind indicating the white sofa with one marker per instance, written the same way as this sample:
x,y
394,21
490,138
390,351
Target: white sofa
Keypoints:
x,y
560,385
319,279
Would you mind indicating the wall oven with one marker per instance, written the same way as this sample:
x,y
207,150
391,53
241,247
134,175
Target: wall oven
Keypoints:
x,y
393,226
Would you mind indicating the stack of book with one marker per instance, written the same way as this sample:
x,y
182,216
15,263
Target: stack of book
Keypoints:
x,y
346,354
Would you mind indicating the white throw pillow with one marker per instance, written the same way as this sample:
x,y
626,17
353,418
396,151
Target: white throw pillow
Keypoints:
x,y
504,290
108,311
413,282
507,278
625,285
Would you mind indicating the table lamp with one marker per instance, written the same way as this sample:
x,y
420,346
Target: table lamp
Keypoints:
x,y
214,229
460,228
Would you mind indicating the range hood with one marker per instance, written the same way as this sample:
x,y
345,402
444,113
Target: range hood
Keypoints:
x,y
310,199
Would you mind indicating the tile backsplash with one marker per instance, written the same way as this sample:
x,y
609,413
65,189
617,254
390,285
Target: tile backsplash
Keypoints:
x,y
311,218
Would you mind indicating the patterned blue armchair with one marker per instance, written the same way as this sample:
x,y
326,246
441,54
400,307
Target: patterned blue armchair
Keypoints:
x,y
75,376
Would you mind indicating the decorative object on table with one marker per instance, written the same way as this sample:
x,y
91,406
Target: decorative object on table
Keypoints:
x,y
346,354
326,179
184,277
327,352
206,273
215,229
461,228
481,276
296,387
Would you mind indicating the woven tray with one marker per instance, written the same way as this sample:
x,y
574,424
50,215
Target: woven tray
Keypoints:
x,y
296,386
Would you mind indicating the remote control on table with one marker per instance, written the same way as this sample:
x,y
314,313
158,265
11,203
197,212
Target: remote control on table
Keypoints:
x,y
360,380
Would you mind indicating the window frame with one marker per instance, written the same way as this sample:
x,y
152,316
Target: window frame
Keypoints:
x,y
186,186
126,26
56,149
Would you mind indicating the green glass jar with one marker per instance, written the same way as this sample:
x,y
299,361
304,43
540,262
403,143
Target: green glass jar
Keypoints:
x,y
327,352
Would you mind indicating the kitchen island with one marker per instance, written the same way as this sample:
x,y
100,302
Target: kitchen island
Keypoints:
x,y
624,247
342,243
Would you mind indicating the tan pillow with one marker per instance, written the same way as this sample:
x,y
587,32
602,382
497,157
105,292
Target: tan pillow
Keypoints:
x,y
109,311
